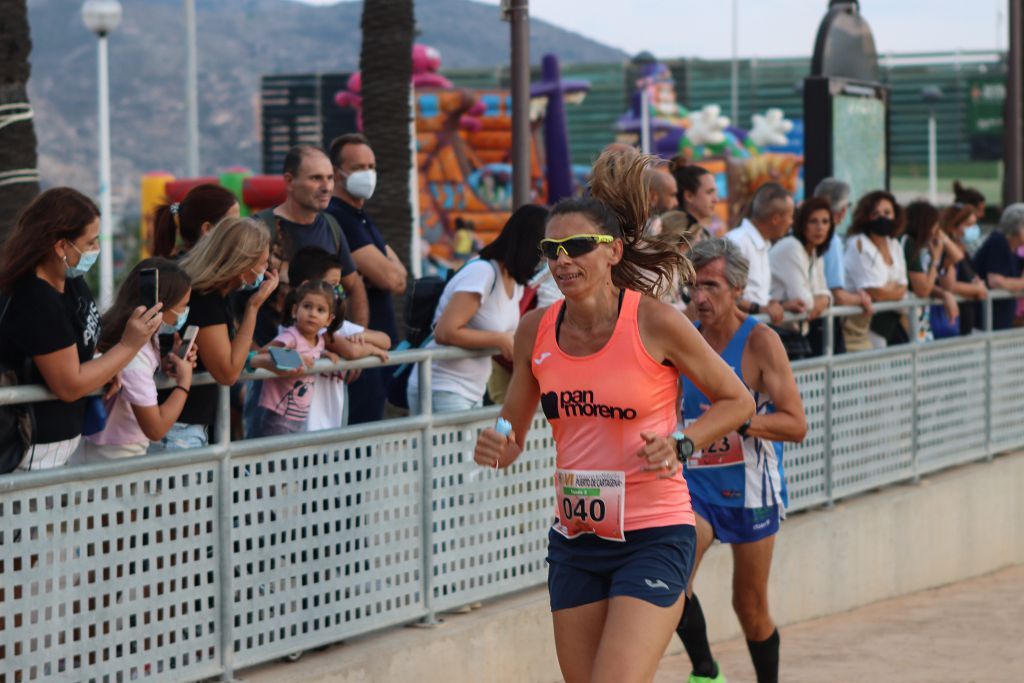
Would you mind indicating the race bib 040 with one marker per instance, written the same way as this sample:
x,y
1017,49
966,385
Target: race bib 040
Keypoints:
x,y
591,502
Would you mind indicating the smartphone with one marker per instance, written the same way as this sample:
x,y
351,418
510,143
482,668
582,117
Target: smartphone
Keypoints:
x,y
149,286
285,359
187,340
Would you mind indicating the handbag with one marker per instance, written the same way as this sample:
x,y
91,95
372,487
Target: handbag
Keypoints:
x,y
942,326
17,421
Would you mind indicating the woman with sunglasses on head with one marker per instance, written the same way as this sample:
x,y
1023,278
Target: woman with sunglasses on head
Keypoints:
x,y
604,365
479,309
233,257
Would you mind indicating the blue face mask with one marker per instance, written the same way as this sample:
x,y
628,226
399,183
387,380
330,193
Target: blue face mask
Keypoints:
x,y
176,327
86,261
972,233
247,287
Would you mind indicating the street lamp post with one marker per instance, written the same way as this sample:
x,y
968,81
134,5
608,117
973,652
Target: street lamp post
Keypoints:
x,y
932,94
191,90
101,17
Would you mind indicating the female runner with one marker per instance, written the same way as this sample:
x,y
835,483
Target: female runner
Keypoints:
x,y
604,366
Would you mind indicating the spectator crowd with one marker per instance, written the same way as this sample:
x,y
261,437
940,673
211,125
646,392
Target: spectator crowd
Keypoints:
x,y
313,278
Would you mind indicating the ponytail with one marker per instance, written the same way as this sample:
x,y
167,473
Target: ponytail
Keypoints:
x,y
619,183
165,231
205,203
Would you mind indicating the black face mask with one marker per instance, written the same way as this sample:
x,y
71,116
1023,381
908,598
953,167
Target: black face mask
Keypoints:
x,y
882,226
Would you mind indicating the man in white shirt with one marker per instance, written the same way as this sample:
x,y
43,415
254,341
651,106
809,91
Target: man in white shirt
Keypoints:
x,y
771,214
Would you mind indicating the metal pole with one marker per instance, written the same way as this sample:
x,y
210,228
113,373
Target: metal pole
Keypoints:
x,y
645,120
933,161
106,219
518,15
225,530
1013,189
427,491
735,85
191,91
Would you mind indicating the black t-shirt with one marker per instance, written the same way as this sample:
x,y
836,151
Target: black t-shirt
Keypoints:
x,y
206,309
41,320
360,231
316,234
995,256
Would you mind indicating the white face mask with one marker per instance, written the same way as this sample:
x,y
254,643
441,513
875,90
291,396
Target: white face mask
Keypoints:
x,y
361,184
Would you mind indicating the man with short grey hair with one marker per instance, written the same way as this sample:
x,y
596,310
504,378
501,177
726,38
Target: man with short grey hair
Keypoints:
x,y
998,262
737,484
771,215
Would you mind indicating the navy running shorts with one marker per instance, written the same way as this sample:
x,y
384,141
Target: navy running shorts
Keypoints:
x,y
739,525
653,565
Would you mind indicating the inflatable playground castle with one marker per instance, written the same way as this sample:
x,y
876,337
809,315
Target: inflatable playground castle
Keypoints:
x,y
464,150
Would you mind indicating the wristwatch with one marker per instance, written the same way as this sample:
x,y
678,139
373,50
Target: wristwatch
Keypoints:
x,y
754,308
684,446
742,429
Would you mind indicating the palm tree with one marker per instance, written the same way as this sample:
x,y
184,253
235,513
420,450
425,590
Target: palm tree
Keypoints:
x,y
19,179
386,65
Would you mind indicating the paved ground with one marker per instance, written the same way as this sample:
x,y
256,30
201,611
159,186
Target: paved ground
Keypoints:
x,y
967,632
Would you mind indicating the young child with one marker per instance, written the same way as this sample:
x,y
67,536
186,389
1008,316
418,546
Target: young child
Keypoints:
x,y
285,400
135,418
350,341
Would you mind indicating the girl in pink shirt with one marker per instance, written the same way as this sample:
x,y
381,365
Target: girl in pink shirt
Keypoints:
x,y
285,400
134,416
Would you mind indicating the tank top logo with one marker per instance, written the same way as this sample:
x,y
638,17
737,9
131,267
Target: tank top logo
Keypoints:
x,y
580,403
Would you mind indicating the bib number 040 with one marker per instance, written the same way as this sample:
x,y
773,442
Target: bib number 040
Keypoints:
x,y
581,510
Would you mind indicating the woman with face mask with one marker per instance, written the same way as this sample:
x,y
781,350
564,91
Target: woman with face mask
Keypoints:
x,y
50,324
135,417
874,262
233,257
959,224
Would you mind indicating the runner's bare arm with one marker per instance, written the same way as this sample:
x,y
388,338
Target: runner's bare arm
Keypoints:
x,y
772,374
520,401
669,336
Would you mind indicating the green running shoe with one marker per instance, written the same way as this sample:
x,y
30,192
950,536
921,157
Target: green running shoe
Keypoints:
x,y
718,678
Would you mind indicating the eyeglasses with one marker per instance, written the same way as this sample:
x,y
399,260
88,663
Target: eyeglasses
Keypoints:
x,y
573,246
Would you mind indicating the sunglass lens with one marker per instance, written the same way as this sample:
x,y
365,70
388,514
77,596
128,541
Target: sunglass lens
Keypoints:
x,y
577,246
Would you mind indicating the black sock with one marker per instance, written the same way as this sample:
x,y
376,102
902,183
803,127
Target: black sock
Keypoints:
x,y
693,631
765,656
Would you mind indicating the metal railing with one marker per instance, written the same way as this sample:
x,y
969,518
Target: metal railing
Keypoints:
x,y
192,564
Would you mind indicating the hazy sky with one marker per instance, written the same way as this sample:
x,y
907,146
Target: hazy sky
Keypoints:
x,y
770,28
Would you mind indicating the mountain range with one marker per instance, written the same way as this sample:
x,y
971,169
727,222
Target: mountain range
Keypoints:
x,y
238,42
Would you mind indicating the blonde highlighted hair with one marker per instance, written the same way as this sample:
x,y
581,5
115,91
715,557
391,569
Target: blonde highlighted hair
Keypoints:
x,y
231,249
619,182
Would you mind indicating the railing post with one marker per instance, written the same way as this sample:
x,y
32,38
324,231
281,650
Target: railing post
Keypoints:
x,y
829,359
224,532
427,504
828,335
987,314
915,464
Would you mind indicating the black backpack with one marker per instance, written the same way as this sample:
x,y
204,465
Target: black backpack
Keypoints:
x,y
17,421
420,305
421,301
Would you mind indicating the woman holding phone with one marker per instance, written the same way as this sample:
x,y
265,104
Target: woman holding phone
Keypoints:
x,y
232,257
135,418
50,324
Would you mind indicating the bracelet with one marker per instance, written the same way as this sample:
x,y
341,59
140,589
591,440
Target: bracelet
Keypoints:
x,y
248,362
178,386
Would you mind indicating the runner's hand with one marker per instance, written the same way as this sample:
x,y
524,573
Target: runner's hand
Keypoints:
x,y
494,450
660,455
